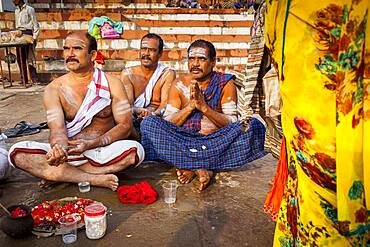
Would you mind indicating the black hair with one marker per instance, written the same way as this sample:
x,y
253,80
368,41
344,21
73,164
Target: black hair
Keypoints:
x,y
203,43
154,36
92,46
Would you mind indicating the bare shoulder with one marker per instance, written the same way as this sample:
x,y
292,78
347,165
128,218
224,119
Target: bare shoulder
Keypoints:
x,y
112,80
171,72
56,83
135,69
127,74
176,81
127,71
130,70
184,79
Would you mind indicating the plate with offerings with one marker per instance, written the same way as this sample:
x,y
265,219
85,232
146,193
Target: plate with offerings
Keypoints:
x,y
47,213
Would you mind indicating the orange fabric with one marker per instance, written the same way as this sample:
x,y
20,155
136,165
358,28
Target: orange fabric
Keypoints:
x,y
275,195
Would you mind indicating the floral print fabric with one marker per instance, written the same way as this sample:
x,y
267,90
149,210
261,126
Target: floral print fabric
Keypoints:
x,y
322,58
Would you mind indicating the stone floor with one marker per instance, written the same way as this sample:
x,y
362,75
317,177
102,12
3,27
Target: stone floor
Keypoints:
x,y
228,213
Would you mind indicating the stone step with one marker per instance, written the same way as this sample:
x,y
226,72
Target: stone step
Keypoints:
x,y
98,4
106,4
148,15
228,30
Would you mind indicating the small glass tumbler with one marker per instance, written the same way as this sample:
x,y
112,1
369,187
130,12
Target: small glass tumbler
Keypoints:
x,y
169,191
68,227
84,187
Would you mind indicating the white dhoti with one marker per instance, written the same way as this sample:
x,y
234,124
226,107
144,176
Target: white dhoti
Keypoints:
x,y
101,156
4,165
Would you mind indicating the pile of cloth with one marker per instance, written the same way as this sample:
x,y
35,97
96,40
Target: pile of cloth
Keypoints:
x,y
142,192
104,27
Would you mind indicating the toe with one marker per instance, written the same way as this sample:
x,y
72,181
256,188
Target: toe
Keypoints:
x,y
182,179
178,173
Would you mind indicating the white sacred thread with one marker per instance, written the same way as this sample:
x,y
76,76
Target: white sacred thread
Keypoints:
x,y
198,52
122,107
52,115
184,89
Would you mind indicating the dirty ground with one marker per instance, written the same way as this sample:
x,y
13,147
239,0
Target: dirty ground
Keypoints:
x,y
228,213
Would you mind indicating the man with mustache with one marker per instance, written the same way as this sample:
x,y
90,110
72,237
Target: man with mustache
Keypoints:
x,y
148,84
200,132
89,117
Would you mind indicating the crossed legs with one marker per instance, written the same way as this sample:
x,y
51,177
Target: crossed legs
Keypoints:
x,y
36,165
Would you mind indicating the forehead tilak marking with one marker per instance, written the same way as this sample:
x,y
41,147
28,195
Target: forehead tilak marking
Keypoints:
x,y
145,43
197,51
83,42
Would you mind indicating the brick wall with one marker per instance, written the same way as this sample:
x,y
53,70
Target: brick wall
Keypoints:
x,y
227,29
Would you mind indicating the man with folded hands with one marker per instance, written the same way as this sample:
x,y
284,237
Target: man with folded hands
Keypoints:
x,y
200,132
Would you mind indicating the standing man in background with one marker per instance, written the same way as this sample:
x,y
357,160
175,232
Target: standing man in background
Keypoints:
x,y
26,21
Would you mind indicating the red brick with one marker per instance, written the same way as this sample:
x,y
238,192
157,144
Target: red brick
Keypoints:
x,y
130,11
173,38
168,55
6,16
191,23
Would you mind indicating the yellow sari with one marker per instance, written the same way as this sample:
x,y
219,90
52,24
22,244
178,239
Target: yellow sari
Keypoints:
x,y
323,62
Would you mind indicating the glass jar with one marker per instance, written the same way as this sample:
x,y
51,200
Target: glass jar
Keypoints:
x,y
95,221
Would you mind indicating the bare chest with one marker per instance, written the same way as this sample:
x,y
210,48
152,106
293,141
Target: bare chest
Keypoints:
x,y
140,84
72,99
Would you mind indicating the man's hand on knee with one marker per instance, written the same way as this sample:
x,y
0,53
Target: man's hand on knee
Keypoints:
x,y
79,146
142,112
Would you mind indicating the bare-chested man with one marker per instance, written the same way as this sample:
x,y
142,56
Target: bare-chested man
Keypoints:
x,y
201,133
89,115
148,84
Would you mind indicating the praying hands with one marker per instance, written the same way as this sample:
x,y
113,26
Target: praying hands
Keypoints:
x,y
196,97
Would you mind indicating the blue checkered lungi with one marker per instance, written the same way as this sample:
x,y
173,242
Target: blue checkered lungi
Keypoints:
x,y
228,147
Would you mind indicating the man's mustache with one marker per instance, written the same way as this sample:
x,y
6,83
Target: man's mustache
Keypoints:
x,y
70,59
146,57
195,69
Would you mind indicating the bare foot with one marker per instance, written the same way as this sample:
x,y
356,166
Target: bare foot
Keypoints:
x,y
204,178
107,180
185,176
46,184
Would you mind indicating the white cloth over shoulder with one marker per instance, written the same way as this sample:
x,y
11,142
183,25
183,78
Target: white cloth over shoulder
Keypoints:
x,y
144,99
96,99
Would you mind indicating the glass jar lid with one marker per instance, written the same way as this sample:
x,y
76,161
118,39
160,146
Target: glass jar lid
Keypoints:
x,y
94,210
